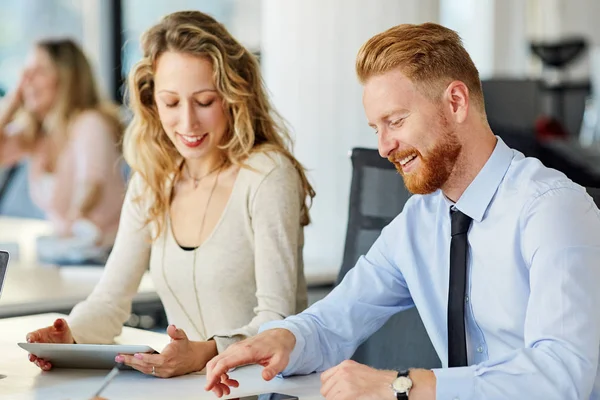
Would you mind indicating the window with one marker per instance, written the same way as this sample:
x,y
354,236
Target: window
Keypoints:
x,y
139,15
25,21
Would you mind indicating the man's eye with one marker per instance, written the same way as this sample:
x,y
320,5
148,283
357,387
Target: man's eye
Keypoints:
x,y
397,123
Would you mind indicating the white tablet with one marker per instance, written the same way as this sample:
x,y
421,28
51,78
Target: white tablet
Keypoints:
x,y
83,356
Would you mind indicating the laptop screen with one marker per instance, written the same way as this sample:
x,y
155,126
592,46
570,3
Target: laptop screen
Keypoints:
x,y
3,266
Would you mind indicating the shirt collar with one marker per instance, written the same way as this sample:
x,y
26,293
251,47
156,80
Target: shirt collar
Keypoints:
x,y
477,197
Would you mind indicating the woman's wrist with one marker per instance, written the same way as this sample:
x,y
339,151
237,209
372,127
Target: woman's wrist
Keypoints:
x,y
12,104
15,101
203,353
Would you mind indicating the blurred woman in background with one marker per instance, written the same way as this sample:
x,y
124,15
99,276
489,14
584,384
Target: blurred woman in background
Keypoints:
x,y
56,118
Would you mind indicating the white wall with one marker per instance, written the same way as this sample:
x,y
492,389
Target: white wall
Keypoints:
x,y
308,54
580,17
473,21
244,23
493,32
511,56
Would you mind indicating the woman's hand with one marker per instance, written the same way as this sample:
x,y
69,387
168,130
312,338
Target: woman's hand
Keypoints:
x,y
16,99
59,332
180,357
13,102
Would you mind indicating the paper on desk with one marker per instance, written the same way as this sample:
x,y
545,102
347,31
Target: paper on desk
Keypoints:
x,y
158,341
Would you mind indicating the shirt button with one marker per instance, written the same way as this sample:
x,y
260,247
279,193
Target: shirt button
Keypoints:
x,y
466,299
480,349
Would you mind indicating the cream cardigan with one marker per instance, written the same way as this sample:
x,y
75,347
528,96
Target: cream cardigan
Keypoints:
x,y
247,272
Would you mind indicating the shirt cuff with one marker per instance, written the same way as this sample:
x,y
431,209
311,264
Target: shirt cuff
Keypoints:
x,y
454,383
295,357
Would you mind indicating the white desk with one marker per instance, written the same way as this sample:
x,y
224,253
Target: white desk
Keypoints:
x,y
24,381
21,234
31,288
41,289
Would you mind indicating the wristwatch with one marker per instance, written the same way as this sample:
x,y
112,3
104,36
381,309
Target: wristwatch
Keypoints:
x,y
402,385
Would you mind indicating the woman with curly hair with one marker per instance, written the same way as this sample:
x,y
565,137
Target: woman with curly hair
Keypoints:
x,y
216,206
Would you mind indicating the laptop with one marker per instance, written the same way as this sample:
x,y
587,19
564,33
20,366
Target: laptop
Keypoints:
x,y
3,266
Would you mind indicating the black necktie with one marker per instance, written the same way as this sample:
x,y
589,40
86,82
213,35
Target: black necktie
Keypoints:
x,y
457,343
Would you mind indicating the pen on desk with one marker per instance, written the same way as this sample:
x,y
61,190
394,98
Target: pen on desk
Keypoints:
x,y
111,375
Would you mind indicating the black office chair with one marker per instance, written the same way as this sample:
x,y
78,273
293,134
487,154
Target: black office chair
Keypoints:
x,y
594,192
15,200
402,342
512,104
566,97
8,176
523,141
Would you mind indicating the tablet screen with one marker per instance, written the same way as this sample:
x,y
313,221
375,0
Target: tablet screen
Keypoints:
x,y
3,266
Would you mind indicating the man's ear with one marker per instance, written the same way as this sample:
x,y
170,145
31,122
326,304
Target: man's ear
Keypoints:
x,y
457,97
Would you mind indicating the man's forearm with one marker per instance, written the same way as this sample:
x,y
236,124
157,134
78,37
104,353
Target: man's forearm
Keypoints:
x,y
424,384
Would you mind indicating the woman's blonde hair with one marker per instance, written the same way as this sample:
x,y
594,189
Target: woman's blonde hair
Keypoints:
x,y
77,92
253,123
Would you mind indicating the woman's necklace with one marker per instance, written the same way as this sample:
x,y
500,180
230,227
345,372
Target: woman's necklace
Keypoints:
x,y
197,180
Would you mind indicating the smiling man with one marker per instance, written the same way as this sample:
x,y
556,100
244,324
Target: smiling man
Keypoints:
x,y
498,253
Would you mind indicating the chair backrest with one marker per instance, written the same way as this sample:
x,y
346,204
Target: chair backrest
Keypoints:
x,y
3,266
595,194
402,342
576,162
15,200
521,140
8,175
512,103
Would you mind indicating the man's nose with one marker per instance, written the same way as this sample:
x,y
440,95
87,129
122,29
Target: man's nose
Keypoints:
x,y
387,144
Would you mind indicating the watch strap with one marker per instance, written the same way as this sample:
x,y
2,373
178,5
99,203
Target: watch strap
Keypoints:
x,y
402,396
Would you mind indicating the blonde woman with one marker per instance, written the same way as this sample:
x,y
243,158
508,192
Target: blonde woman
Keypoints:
x,y
57,119
216,207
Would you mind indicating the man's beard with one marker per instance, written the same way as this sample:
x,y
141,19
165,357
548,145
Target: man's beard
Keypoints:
x,y
435,169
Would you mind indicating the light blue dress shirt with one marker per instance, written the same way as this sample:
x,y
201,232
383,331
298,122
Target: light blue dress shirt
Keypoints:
x,y
533,292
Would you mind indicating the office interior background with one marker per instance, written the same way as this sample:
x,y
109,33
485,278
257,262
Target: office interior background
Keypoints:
x,y
539,61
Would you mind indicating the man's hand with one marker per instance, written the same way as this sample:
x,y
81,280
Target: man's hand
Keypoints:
x,y
271,349
180,357
424,384
353,381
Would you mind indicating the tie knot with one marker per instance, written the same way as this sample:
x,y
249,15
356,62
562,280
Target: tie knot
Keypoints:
x,y
460,222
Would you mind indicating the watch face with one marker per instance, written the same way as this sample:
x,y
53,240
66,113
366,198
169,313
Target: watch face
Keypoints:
x,y
402,384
